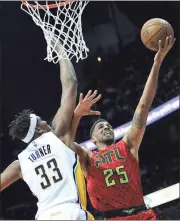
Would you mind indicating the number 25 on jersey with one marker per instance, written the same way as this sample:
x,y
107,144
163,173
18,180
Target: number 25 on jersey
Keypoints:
x,y
109,174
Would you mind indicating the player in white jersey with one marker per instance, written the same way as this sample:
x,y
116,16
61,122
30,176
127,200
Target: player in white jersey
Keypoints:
x,y
49,168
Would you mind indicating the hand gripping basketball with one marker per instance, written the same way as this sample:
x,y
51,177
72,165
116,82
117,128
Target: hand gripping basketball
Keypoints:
x,y
162,52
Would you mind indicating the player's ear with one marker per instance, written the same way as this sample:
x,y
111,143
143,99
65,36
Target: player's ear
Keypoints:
x,y
38,130
94,140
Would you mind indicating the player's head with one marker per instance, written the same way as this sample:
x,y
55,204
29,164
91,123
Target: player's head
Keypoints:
x,y
102,133
27,126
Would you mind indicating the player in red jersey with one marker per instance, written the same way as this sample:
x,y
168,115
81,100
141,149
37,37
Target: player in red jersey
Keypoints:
x,y
112,173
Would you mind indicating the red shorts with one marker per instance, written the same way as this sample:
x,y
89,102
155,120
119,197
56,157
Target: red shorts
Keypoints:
x,y
147,215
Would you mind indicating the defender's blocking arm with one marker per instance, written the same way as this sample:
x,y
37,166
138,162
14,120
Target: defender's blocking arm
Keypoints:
x,y
62,120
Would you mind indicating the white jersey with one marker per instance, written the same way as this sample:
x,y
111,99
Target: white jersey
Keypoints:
x,y
48,167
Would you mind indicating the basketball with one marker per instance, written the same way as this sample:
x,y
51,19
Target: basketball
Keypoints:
x,y
154,30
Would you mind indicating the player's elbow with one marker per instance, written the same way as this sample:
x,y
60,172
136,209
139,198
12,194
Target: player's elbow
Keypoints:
x,y
73,80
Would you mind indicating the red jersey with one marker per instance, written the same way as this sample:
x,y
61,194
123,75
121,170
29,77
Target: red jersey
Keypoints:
x,y
113,179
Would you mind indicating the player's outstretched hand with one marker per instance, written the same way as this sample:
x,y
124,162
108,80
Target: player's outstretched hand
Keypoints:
x,y
84,106
162,52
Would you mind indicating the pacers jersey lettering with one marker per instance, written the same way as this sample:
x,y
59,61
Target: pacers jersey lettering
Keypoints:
x,y
40,152
113,179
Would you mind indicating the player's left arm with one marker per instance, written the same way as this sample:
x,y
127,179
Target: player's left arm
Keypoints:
x,y
134,136
11,174
82,109
62,120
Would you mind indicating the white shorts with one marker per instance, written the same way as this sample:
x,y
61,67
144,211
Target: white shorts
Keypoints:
x,y
68,211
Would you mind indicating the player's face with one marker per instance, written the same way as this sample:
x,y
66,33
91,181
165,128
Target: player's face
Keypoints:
x,y
103,133
42,126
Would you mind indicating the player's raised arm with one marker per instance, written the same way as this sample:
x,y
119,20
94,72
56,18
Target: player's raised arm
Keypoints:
x,y
84,109
134,136
62,120
11,174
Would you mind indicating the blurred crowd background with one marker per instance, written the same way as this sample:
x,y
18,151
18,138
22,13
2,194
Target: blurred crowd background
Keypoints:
x,y
118,66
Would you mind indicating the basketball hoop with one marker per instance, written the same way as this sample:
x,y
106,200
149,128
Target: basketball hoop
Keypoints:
x,y
61,24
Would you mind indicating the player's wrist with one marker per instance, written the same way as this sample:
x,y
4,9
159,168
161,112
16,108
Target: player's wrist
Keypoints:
x,y
77,114
158,61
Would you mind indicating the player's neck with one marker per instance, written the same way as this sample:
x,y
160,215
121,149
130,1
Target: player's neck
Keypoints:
x,y
102,146
36,135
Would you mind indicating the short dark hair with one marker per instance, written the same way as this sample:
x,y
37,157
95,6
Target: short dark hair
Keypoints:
x,y
20,126
93,126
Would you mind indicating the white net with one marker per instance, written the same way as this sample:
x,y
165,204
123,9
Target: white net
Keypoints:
x,y
60,22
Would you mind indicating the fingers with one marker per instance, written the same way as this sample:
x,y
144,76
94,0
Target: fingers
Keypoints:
x,y
88,94
169,42
90,98
160,45
172,42
94,113
93,95
80,97
96,99
166,42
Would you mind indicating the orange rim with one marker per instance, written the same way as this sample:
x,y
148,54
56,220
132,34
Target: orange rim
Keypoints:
x,y
47,6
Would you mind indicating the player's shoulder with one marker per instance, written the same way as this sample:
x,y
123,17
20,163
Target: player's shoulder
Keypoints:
x,y
81,151
121,144
88,152
22,153
15,163
95,152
